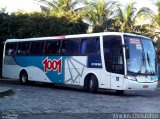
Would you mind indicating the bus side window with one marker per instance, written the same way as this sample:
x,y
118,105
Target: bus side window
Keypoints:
x,y
36,48
93,45
66,47
74,46
84,46
23,48
90,45
97,45
52,47
10,48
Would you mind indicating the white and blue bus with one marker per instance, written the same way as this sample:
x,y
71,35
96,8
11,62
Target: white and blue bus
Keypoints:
x,y
111,60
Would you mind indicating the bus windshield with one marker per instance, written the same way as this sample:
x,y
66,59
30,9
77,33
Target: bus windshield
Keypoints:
x,y
140,56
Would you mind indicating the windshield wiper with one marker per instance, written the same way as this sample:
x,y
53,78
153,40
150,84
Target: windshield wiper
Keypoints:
x,y
150,65
143,63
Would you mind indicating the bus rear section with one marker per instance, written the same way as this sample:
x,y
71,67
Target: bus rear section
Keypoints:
x,y
73,60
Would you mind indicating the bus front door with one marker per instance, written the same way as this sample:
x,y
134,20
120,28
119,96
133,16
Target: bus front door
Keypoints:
x,y
117,68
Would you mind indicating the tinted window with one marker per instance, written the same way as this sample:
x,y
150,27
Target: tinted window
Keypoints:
x,y
52,47
74,46
71,46
84,46
140,55
23,48
93,45
10,48
66,47
37,48
90,45
113,54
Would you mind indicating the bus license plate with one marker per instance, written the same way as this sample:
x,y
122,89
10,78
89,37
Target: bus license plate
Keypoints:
x,y
145,86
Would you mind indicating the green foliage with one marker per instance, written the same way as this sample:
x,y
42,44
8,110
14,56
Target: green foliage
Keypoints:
x,y
126,18
156,17
158,46
60,7
18,25
38,25
156,23
99,13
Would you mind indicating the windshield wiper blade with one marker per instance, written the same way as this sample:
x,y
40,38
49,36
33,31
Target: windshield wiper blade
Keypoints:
x,y
150,65
143,63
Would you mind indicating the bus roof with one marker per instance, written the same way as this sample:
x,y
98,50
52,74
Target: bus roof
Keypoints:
x,y
38,38
73,36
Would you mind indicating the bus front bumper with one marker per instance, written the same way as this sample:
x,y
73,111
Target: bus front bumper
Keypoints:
x,y
134,85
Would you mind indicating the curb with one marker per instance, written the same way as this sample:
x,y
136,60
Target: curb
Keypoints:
x,y
5,91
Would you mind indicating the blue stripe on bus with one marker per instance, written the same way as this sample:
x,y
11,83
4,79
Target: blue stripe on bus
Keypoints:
x,y
37,61
55,74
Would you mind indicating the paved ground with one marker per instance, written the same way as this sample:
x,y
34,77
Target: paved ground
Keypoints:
x,y
46,99
4,91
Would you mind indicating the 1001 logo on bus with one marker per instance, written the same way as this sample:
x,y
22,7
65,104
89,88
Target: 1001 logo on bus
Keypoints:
x,y
54,65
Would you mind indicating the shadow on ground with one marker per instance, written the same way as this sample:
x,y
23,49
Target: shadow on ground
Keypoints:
x,y
79,89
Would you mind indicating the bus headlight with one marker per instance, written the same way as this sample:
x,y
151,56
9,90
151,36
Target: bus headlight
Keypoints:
x,y
155,79
130,78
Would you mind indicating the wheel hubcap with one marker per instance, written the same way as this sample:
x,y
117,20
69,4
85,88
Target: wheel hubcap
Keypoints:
x,y
90,84
24,78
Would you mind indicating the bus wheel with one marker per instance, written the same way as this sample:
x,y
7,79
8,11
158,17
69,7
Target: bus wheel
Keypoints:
x,y
24,77
93,84
120,92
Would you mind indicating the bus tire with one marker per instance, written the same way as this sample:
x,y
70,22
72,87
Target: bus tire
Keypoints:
x,y
93,84
119,92
24,77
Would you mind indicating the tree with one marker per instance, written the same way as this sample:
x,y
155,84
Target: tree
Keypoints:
x,y
127,18
156,23
62,9
36,25
99,13
156,17
59,6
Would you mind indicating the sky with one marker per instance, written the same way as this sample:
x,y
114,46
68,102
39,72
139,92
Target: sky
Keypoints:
x,y
141,3
31,5
15,5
